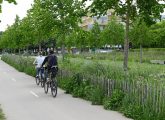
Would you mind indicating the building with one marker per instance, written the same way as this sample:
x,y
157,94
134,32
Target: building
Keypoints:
x,y
88,22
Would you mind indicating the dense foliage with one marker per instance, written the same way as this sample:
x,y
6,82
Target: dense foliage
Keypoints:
x,y
129,10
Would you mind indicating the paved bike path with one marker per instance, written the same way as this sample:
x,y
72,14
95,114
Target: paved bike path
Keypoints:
x,y
22,99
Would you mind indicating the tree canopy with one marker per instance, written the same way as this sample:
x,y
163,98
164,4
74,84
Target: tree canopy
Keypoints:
x,y
128,10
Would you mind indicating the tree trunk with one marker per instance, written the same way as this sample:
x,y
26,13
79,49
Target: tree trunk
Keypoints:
x,y
69,50
63,51
19,51
39,47
14,51
141,53
56,49
114,54
63,47
126,43
27,49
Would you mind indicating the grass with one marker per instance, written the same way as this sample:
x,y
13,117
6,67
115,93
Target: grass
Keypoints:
x,y
134,55
143,86
134,67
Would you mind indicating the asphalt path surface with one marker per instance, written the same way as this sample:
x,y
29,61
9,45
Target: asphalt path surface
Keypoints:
x,y
22,99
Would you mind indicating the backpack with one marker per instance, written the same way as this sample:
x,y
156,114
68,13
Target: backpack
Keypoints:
x,y
52,61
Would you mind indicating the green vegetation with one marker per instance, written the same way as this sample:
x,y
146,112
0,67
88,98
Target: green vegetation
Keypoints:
x,y
129,10
113,34
157,34
137,90
115,101
2,117
134,55
138,93
21,63
58,22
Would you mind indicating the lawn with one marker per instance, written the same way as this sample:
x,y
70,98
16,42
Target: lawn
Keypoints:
x,y
134,55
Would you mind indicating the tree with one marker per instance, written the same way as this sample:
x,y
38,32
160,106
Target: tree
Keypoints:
x,y
95,40
66,16
16,33
157,34
82,39
71,39
27,32
42,22
139,35
128,9
12,36
113,34
78,38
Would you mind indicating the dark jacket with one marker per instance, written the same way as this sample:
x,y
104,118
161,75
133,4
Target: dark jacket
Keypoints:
x,y
51,61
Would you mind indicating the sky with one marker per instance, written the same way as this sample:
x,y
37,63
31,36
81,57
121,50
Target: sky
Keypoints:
x,y
9,12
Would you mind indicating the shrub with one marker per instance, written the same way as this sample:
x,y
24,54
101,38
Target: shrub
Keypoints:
x,y
80,90
22,64
87,92
97,95
115,101
133,111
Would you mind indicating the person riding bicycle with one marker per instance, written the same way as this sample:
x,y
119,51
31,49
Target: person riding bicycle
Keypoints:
x,y
38,62
52,64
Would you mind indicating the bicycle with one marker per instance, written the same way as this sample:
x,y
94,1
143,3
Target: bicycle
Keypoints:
x,y
51,82
40,77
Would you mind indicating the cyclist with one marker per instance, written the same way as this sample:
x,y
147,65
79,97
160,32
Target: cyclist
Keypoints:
x,y
38,62
52,64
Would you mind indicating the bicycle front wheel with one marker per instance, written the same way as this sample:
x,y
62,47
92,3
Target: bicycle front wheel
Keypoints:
x,y
37,80
46,87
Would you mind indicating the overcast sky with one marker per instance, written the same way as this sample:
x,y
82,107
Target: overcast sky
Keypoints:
x,y
9,12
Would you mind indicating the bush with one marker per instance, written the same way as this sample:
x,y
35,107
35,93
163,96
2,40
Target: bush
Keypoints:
x,y
81,90
115,101
30,70
97,95
133,111
22,64
87,92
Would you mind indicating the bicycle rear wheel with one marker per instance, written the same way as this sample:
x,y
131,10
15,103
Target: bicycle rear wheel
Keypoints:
x,y
42,82
37,80
54,88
